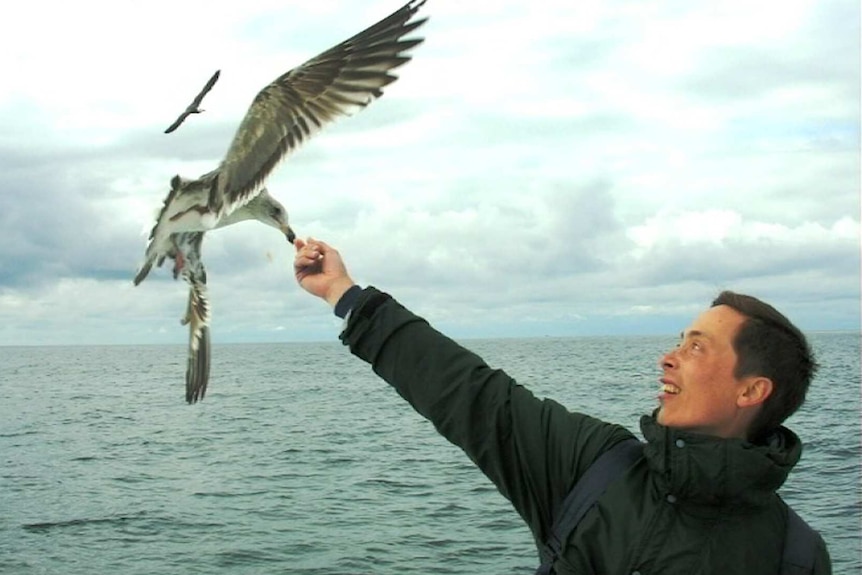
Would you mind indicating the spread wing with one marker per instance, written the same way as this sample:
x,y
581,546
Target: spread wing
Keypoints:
x,y
209,86
297,104
195,103
180,119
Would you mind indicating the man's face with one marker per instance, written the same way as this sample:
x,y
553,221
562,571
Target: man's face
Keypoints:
x,y
699,390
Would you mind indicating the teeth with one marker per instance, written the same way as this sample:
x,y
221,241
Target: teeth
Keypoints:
x,y
669,388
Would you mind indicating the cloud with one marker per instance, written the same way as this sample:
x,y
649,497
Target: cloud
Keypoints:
x,y
718,244
541,168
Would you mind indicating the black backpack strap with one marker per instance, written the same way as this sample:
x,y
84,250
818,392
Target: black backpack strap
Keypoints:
x,y
800,546
610,465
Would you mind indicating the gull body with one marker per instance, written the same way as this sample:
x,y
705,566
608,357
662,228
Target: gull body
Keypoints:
x,y
283,115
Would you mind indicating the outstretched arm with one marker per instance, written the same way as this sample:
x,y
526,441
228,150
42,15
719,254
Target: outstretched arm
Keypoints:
x,y
532,449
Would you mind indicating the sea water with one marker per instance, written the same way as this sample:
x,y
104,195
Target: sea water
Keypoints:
x,y
300,460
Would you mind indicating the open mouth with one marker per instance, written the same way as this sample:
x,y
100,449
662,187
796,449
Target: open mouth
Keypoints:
x,y
670,389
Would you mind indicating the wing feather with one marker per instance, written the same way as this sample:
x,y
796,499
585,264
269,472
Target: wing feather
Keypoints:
x,y
298,104
180,119
205,90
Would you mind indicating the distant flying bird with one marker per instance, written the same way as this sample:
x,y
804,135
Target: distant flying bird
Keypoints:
x,y
194,107
337,82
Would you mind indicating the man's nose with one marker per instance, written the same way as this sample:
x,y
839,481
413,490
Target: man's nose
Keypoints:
x,y
668,360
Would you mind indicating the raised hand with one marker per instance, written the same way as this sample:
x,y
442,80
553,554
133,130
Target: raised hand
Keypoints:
x,y
320,271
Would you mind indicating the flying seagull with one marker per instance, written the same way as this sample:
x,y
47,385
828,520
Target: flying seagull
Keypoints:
x,y
194,107
337,82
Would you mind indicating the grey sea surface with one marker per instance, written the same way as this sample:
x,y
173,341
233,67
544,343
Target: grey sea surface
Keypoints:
x,y
300,460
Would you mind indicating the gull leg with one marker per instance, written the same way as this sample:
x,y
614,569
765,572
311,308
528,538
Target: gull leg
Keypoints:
x,y
179,262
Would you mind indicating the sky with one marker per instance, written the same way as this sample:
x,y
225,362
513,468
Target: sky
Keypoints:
x,y
550,168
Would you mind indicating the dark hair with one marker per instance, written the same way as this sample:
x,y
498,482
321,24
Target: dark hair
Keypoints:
x,y
768,345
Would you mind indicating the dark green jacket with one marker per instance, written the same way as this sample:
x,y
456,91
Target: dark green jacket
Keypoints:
x,y
694,505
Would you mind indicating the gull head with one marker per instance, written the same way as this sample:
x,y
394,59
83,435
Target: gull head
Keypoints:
x,y
268,210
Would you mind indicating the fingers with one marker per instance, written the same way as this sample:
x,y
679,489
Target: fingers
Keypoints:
x,y
324,247
312,250
308,259
313,245
306,262
307,253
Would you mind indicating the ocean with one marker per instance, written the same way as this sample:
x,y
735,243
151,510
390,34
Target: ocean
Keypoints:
x,y
300,460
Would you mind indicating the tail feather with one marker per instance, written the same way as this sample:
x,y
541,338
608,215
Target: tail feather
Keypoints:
x,y
197,317
198,367
143,271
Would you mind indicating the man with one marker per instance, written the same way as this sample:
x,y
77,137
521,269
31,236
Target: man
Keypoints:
x,y
701,501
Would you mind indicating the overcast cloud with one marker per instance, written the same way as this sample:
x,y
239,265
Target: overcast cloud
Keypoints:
x,y
540,168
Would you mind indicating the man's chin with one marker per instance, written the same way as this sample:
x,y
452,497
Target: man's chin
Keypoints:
x,y
662,418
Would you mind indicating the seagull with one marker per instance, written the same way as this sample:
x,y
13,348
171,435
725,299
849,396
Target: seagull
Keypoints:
x,y
287,112
194,107
186,254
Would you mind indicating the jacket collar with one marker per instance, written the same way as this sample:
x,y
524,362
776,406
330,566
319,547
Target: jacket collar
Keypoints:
x,y
707,470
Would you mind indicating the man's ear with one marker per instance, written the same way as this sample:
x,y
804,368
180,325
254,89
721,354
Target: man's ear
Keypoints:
x,y
755,392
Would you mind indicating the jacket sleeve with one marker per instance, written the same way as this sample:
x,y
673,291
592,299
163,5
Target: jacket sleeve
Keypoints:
x,y
822,561
532,449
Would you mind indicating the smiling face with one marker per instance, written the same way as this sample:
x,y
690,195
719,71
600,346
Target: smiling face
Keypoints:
x,y
699,390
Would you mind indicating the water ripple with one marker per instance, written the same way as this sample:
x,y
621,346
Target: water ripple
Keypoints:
x,y
311,464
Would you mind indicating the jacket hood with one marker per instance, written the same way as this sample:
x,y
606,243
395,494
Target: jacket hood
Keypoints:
x,y
702,469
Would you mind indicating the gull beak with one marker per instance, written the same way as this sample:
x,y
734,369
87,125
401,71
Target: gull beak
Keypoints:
x,y
288,233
